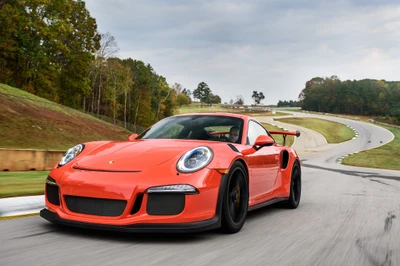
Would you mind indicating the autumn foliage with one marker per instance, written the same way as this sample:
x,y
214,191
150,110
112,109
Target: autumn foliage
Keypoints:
x,y
367,97
51,48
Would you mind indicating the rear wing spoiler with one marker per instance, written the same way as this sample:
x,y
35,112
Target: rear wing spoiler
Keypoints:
x,y
285,133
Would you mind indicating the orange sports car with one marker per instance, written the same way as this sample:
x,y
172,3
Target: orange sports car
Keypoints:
x,y
190,172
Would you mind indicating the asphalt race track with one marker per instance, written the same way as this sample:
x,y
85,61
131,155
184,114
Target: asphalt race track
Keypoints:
x,y
347,216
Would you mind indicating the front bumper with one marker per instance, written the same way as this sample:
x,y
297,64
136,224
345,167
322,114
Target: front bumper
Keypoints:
x,y
201,211
137,228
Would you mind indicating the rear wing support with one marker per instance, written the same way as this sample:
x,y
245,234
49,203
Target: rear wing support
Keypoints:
x,y
285,134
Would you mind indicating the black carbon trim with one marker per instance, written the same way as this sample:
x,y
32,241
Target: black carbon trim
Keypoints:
x,y
264,204
137,228
233,147
138,203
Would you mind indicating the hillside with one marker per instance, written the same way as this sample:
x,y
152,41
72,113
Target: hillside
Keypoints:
x,y
31,122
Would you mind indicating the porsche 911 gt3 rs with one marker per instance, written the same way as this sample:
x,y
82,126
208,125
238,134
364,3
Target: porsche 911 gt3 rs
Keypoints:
x,y
182,174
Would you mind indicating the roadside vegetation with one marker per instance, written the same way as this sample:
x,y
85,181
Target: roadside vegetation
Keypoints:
x,y
384,157
368,97
196,107
25,183
333,132
30,122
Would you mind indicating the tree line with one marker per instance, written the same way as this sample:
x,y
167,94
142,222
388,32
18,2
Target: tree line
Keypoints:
x,y
54,50
368,97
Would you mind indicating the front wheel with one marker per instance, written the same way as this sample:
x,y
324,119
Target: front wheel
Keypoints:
x,y
236,200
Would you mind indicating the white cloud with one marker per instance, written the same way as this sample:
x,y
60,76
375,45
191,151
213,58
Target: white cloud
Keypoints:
x,y
271,46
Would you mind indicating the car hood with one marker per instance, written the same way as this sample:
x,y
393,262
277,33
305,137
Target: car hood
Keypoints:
x,y
133,156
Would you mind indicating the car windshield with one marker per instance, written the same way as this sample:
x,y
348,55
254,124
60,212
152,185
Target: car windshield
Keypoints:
x,y
197,127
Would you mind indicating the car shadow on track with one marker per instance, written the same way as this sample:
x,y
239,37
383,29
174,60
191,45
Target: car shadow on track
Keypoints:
x,y
175,238
266,211
130,237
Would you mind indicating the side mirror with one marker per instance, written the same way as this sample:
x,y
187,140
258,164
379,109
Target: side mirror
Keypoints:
x,y
261,141
264,140
132,137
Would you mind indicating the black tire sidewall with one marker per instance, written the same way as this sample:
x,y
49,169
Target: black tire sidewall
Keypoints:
x,y
292,201
228,225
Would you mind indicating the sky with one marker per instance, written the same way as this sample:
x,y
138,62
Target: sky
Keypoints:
x,y
268,46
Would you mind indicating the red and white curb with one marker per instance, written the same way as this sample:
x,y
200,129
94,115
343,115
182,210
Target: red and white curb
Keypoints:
x,y
339,160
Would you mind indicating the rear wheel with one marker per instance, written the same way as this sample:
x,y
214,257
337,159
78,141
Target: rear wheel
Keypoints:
x,y
236,200
295,187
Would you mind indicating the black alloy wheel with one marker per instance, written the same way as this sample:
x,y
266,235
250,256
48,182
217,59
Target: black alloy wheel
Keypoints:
x,y
295,187
236,200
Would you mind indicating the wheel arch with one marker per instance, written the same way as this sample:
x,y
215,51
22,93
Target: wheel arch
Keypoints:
x,y
246,168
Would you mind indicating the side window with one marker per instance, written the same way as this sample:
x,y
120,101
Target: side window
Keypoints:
x,y
254,131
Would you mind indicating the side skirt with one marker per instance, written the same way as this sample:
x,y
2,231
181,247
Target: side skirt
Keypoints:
x,y
267,203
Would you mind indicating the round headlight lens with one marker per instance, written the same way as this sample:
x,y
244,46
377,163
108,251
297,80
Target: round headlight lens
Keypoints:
x,y
71,154
195,160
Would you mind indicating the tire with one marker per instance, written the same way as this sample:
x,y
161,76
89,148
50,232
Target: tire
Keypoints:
x,y
295,187
235,200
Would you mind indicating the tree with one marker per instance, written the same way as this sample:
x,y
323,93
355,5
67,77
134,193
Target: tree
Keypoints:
x,y
188,93
182,99
46,47
239,100
258,97
108,48
177,87
202,92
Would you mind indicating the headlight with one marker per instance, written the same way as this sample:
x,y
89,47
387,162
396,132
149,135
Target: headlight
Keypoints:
x,y
195,160
71,154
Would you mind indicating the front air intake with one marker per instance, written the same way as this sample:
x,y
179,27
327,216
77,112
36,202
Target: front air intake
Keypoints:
x,y
95,206
165,203
52,194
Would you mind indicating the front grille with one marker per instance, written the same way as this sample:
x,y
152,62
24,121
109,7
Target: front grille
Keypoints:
x,y
165,203
95,206
52,194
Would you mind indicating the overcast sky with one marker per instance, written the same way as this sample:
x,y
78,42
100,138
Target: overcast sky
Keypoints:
x,y
272,46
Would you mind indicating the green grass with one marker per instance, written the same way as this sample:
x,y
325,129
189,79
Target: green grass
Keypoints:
x,y
384,157
197,108
31,122
279,138
27,99
25,183
333,132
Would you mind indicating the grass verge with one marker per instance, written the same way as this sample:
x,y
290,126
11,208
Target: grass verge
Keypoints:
x,y
30,122
384,157
197,108
333,132
25,183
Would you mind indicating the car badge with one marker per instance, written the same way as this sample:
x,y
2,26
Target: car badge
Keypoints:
x,y
110,162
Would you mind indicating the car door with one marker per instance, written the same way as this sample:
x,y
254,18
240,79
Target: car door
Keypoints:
x,y
264,163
